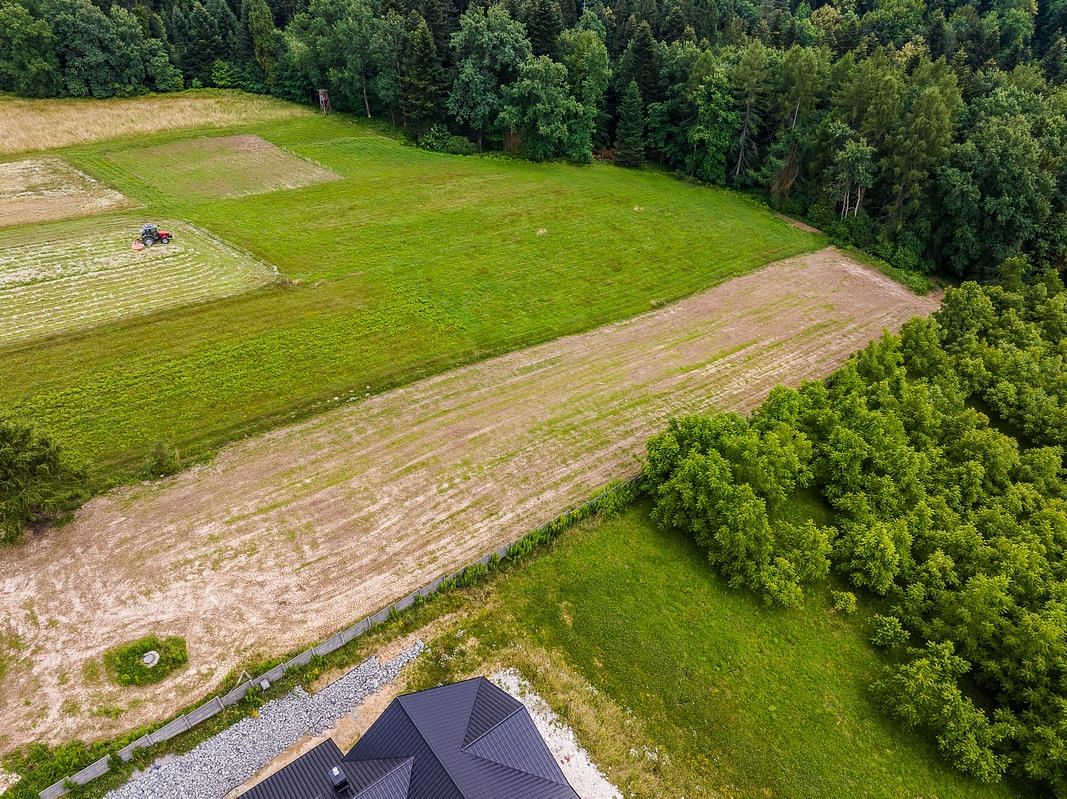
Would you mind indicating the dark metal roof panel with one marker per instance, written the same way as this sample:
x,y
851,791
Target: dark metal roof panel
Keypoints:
x,y
307,777
517,744
394,785
394,735
491,707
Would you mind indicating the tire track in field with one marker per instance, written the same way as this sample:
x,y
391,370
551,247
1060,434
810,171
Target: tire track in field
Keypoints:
x,y
289,536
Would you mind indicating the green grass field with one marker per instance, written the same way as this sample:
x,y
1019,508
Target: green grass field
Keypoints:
x,y
73,276
744,700
412,262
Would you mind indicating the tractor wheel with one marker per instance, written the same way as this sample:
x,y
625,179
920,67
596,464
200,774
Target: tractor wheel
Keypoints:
x,y
148,241
165,240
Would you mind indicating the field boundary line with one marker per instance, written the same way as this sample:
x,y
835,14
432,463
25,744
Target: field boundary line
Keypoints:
x,y
611,496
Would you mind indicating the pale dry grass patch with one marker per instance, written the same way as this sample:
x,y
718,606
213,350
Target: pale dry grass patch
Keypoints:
x,y
45,124
615,738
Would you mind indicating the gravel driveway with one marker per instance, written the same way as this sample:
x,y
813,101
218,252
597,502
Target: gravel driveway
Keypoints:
x,y
220,764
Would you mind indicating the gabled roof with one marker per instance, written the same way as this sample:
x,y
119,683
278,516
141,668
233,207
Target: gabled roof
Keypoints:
x,y
467,740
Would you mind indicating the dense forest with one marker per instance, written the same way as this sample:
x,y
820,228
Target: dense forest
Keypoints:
x,y
941,454
933,134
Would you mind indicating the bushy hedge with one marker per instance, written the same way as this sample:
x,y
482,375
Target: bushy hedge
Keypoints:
x,y
958,519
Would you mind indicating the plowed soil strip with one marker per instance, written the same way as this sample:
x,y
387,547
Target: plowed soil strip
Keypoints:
x,y
285,538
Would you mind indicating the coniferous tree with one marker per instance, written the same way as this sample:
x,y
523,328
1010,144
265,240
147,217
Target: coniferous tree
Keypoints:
x,y
422,80
641,63
544,24
630,134
438,16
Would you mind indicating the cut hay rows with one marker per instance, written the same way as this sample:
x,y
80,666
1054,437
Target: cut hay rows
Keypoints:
x,y
76,278
43,189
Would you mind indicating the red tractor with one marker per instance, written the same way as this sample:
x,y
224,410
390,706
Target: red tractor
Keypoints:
x,y
150,234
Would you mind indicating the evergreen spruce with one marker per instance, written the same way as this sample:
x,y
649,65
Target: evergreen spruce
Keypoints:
x,y
544,25
630,134
422,82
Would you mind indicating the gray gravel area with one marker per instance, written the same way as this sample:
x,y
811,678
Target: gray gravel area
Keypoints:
x,y
220,764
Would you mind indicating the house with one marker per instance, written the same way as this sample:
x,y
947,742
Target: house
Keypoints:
x,y
466,740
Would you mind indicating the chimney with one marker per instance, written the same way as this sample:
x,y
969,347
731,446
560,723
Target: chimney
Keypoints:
x,y
338,778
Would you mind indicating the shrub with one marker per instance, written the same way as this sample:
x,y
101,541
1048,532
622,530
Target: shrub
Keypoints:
x,y
163,460
125,667
843,601
439,140
887,631
37,484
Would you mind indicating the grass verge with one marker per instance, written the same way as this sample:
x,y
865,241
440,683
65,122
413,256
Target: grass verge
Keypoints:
x,y
126,665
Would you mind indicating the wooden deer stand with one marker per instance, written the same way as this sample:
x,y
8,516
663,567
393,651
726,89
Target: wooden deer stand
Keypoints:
x,y
324,101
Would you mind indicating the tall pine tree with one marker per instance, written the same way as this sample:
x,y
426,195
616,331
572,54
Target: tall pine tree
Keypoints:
x,y
422,81
630,134
544,23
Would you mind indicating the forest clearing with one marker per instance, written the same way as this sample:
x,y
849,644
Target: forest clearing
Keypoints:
x,y
284,538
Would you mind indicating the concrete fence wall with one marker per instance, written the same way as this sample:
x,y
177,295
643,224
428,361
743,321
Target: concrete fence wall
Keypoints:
x,y
217,704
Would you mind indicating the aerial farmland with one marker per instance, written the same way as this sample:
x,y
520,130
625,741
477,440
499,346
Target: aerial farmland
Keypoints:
x,y
358,366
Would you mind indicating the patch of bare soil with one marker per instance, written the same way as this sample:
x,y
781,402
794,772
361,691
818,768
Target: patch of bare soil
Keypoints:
x,y
798,224
48,188
287,537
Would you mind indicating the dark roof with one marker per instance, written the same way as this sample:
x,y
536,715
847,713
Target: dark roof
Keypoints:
x,y
467,740
308,777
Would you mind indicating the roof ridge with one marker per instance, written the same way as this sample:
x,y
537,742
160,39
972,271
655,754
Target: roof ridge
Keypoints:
x,y
466,750
400,763
465,747
426,741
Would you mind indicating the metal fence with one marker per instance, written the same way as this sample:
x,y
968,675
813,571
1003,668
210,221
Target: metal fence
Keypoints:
x,y
219,703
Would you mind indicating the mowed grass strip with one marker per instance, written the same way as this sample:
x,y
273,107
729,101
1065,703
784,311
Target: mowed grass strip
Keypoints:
x,y
41,189
738,700
221,166
412,263
75,275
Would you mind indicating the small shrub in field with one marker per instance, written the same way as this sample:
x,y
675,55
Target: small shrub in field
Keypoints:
x,y
124,664
163,460
843,601
887,631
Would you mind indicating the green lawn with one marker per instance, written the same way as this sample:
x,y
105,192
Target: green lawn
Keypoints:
x,y
412,262
746,700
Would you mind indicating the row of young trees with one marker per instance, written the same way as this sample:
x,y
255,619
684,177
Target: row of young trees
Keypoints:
x,y
933,133
955,524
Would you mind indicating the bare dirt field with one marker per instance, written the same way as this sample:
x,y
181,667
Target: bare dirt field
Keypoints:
x,y
222,166
44,124
76,275
42,189
287,537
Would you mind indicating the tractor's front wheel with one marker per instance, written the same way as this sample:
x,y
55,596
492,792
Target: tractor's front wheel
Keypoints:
x,y
164,240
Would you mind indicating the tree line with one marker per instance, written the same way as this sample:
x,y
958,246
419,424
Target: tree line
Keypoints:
x,y
941,453
931,133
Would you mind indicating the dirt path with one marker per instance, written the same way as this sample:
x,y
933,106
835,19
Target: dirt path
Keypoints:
x,y
285,538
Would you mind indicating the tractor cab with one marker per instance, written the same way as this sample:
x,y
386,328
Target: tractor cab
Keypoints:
x,y
150,234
